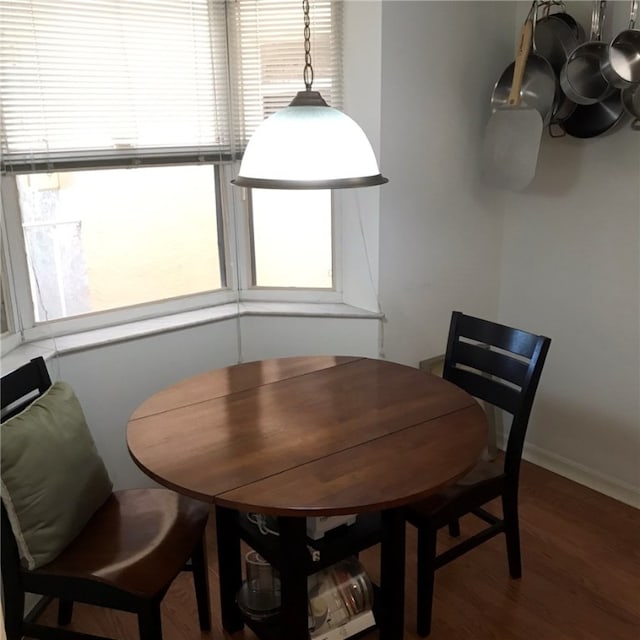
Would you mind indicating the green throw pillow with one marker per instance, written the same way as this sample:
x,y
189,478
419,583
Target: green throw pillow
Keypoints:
x,y
53,479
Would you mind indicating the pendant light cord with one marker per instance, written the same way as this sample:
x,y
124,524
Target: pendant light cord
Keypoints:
x,y
308,69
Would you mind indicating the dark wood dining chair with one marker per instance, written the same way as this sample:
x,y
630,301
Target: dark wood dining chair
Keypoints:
x,y
502,366
125,557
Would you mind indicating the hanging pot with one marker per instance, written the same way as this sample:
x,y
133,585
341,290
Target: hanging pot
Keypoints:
x,y
556,36
575,26
621,66
589,121
581,77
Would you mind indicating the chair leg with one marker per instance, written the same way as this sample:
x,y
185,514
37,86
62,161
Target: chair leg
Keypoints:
x,y
150,621
454,528
65,611
13,612
512,533
201,583
427,538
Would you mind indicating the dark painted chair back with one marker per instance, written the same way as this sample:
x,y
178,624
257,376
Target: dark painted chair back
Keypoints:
x,y
500,365
22,386
17,390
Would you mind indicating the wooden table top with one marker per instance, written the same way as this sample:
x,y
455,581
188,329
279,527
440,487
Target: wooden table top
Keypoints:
x,y
308,436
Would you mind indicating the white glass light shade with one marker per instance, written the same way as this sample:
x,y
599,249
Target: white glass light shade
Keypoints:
x,y
309,145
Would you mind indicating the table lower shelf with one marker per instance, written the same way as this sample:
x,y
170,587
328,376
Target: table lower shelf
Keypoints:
x,y
357,627
334,546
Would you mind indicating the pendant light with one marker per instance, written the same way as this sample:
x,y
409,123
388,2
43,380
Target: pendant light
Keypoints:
x,y
308,145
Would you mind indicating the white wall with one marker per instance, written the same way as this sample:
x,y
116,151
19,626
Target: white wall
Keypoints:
x,y
562,258
440,230
571,269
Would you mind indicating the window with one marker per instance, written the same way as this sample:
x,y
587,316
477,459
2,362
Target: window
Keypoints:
x,y
292,238
98,240
121,124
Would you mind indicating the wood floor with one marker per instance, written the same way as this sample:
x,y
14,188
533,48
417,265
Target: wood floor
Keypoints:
x,y
581,578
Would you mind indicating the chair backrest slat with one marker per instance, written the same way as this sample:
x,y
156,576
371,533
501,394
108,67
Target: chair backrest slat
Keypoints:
x,y
491,391
500,365
501,336
497,364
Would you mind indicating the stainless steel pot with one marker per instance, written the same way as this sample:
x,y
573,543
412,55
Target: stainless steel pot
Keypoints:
x,y
581,78
576,27
622,64
589,121
556,36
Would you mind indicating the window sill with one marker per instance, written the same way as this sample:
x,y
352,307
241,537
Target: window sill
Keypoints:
x,y
132,330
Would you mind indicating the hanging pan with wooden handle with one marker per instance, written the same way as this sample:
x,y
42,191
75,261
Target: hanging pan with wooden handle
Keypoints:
x,y
512,135
539,87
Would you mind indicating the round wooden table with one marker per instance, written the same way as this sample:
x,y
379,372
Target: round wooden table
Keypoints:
x,y
308,436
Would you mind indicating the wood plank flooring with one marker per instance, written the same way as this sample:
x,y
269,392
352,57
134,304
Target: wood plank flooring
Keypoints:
x,y
581,578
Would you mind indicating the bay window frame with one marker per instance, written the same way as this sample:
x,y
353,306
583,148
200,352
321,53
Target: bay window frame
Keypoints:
x,y
233,206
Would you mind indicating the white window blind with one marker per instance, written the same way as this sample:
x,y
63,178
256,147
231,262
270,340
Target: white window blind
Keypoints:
x,y
105,79
267,56
110,83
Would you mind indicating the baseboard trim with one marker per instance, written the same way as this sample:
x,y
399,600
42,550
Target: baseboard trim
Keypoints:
x,y
600,482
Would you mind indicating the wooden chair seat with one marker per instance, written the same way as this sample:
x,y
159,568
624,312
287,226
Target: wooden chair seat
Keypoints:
x,y
458,499
138,541
483,471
